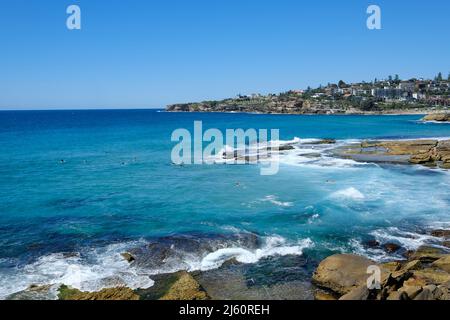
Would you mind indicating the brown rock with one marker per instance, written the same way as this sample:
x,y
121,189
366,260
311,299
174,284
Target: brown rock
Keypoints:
x,y
413,282
411,291
186,288
425,295
412,265
359,293
441,233
121,293
342,273
174,286
323,296
372,243
441,117
396,295
442,292
391,247
427,254
443,263
128,256
432,276
391,266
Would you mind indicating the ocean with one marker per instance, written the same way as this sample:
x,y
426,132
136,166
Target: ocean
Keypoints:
x,y
78,188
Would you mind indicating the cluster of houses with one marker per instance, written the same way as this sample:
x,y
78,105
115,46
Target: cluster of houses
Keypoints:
x,y
427,91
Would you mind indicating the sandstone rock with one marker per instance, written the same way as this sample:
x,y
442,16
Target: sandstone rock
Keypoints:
x,y
432,276
412,265
411,291
120,293
420,158
342,273
359,293
414,282
427,254
441,117
426,293
396,295
323,296
391,266
186,288
442,292
128,256
174,286
443,263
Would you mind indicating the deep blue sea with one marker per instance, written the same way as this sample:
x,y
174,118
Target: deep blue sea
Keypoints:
x,y
77,188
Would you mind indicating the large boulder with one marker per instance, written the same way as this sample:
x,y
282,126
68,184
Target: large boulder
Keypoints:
x,y
443,263
440,117
342,273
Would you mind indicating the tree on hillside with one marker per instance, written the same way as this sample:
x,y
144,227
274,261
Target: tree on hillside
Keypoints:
x,y
342,84
439,77
397,78
390,78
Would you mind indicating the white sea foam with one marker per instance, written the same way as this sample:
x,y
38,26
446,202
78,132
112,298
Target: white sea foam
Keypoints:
x,y
101,268
274,200
273,246
349,193
408,240
95,270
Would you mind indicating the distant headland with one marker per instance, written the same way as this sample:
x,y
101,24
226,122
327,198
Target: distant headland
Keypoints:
x,y
388,96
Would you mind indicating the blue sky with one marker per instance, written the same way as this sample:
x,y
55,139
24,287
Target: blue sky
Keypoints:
x,y
137,54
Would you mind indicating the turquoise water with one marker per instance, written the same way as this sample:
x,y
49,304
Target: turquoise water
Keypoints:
x,y
97,183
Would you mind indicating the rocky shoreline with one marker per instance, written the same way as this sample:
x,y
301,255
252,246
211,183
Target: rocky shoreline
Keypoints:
x,y
437,117
430,153
424,274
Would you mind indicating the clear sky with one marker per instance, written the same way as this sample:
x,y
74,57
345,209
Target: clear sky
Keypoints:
x,y
137,54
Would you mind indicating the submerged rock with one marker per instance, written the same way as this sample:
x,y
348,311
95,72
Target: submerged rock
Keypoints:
x,y
324,141
34,292
441,233
172,252
391,247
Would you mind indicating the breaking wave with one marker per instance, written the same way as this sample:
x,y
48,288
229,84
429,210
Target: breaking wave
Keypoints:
x,y
96,269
